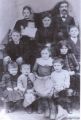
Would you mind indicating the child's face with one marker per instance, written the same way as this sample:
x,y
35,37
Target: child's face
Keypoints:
x,y
63,50
46,21
45,54
13,71
57,66
25,69
26,13
74,32
16,37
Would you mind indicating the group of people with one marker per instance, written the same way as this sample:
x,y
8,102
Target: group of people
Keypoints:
x,y
42,63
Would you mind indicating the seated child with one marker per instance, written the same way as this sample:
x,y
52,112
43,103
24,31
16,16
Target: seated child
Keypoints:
x,y
25,84
43,85
11,94
71,64
74,41
13,49
61,82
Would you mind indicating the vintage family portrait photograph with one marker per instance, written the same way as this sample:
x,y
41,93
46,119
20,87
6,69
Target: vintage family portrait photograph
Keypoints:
x,y
40,59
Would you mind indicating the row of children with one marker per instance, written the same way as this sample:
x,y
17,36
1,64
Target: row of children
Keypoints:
x,y
48,80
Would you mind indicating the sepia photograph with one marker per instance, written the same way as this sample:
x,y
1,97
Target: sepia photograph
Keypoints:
x,y
40,59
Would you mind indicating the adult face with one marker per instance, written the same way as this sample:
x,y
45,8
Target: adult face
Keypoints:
x,y
63,8
26,13
46,22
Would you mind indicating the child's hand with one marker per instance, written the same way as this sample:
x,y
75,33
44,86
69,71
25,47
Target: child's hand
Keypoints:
x,y
16,88
77,68
9,89
19,60
6,59
32,77
69,92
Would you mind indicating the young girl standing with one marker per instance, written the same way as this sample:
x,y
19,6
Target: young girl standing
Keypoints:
x,y
43,85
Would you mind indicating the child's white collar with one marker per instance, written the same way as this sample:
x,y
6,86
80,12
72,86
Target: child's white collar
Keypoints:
x,y
48,62
74,39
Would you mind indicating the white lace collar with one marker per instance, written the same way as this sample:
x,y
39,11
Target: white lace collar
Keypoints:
x,y
42,62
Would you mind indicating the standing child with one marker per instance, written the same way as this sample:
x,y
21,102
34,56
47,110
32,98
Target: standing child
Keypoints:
x,y
74,41
43,85
9,83
13,49
25,85
61,82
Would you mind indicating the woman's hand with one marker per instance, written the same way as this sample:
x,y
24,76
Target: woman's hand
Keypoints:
x,y
16,88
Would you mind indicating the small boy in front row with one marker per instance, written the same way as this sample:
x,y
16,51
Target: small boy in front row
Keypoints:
x,y
61,83
11,95
25,85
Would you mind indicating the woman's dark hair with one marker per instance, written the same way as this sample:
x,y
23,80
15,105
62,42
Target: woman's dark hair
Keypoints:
x,y
27,7
63,43
46,14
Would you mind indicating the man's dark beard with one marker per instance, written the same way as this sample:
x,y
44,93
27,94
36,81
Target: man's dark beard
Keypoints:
x,y
65,12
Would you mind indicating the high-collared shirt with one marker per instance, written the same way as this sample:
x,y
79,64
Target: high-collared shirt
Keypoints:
x,y
63,17
74,39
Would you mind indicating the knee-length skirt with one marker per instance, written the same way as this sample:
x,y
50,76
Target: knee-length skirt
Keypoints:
x,y
43,86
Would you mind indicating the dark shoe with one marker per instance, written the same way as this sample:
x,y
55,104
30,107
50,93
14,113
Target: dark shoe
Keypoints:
x,y
29,110
40,111
47,113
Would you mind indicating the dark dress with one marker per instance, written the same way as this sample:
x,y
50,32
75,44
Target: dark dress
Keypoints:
x,y
45,36
63,26
75,48
28,45
11,82
28,48
21,24
13,50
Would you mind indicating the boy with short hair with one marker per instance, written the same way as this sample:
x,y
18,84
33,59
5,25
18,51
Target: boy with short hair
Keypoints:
x,y
74,41
61,83
25,85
